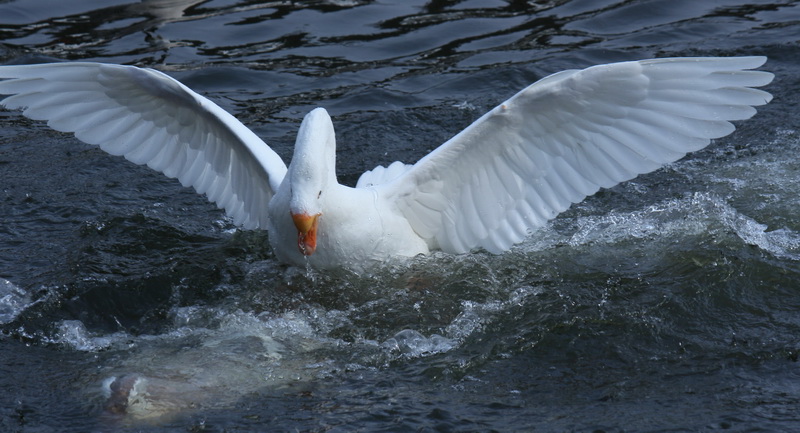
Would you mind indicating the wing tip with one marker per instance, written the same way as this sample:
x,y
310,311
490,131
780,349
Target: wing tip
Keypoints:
x,y
735,62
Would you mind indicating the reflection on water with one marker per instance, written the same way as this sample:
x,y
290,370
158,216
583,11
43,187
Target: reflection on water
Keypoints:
x,y
669,302
328,37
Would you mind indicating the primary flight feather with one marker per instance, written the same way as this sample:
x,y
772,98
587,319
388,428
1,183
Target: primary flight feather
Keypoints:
x,y
550,145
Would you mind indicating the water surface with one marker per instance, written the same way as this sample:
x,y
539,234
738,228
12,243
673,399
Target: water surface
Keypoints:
x,y
669,303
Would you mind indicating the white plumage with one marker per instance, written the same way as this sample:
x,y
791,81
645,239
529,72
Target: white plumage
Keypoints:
x,y
550,145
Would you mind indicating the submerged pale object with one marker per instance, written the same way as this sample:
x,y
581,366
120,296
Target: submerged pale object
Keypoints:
x,y
550,145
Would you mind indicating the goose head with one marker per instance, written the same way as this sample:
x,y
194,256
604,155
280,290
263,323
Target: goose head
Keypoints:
x,y
312,173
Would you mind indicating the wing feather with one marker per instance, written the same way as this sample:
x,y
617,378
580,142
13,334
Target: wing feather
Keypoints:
x,y
150,118
566,136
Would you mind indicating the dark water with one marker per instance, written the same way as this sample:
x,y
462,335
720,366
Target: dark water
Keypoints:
x,y
670,303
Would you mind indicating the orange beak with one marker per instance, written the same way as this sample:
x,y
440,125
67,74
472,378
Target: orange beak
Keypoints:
x,y
306,232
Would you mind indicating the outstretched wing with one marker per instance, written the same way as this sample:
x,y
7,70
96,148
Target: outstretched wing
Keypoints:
x,y
150,118
564,137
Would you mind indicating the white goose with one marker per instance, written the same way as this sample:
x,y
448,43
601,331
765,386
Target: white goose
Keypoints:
x,y
550,145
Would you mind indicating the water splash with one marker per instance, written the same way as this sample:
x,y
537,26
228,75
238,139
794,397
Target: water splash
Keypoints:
x,y
409,344
13,301
699,213
73,333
